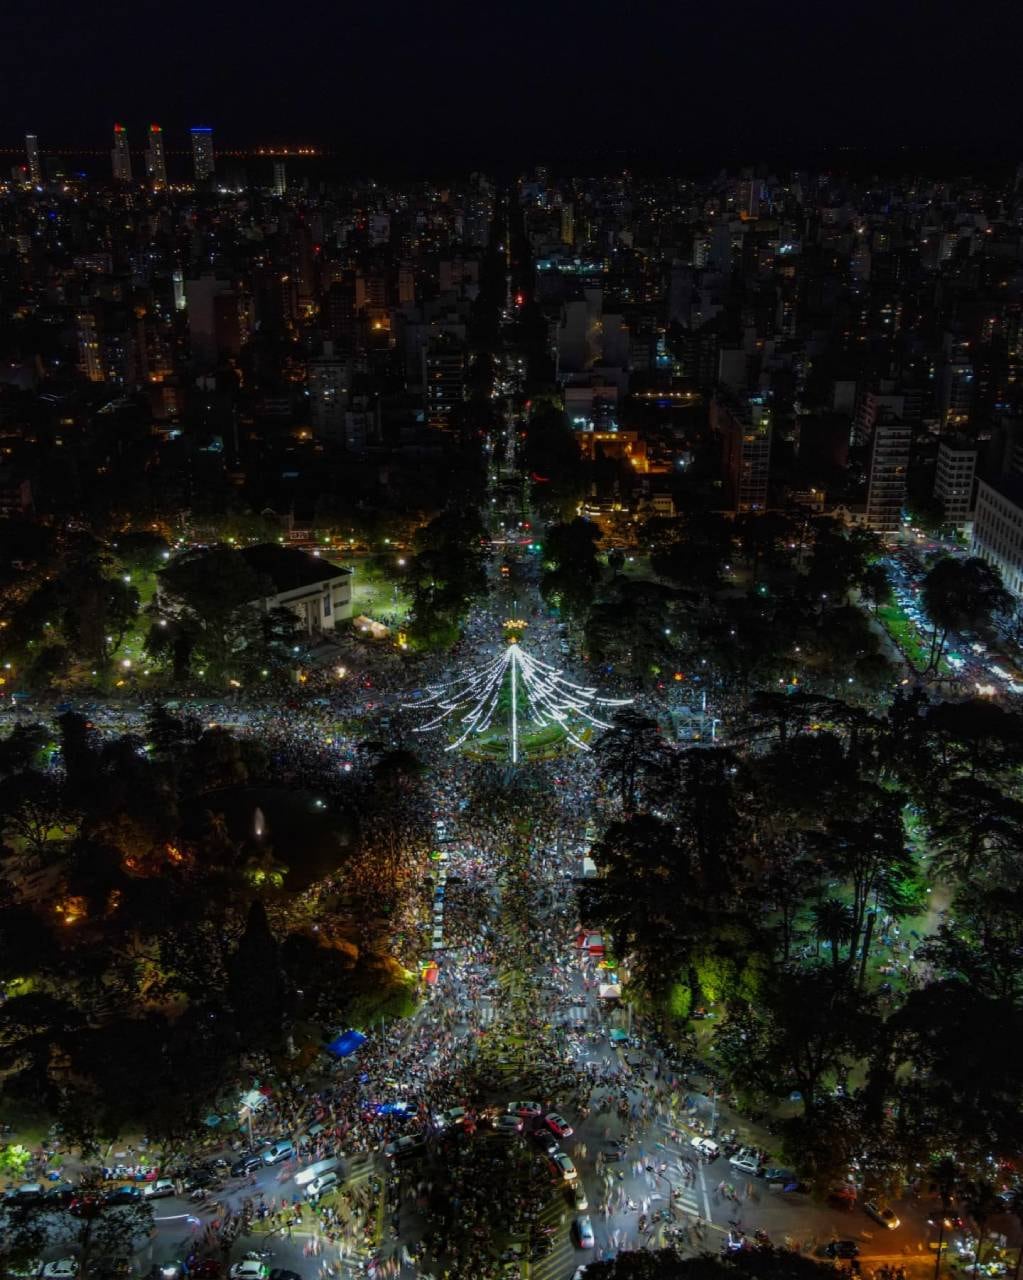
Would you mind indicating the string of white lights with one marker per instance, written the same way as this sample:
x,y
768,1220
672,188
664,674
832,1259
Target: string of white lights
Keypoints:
x,y
470,702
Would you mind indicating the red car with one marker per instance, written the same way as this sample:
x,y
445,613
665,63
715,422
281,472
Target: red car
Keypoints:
x,y
525,1109
206,1269
558,1125
86,1206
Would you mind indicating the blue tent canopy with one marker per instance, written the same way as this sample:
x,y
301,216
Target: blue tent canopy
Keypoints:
x,y
345,1044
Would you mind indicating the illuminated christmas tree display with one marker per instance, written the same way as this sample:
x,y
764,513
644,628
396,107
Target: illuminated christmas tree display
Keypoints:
x,y
530,700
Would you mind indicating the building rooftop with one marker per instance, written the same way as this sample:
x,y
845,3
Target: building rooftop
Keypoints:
x,y
288,568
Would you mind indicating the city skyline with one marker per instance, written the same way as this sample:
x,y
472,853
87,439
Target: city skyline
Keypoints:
x,y
461,85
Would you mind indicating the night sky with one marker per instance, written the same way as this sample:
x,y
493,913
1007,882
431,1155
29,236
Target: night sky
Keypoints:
x,y
436,83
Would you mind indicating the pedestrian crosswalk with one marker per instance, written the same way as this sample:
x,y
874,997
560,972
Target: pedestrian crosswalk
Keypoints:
x,y
564,1257
559,1214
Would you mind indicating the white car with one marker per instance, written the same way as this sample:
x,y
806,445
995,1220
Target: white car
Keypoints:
x,y
563,1165
62,1269
450,1118
579,1197
881,1214
282,1150
156,1190
746,1161
319,1185
250,1269
706,1148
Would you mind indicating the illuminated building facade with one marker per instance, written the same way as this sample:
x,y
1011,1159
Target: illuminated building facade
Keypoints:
x,y
202,152
120,156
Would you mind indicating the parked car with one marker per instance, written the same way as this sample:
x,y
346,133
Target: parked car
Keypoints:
x,y
545,1140
158,1189
881,1214
169,1269
583,1228
62,1269
249,1269
450,1118
508,1125
746,1160
243,1165
843,1249
60,1195
27,1193
562,1165
407,1147
528,1110
206,1269
558,1125
123,1195
706,1147
85,1206
282,1150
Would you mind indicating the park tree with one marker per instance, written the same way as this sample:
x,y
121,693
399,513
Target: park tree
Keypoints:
x,y
692,552
868,852
213,592
632,628
35,810
980,944
809,1025
876,585
141,550
764,538
647,897
975,738
256,984
924,1065
839,561
571,570
976,830
958,594
98,611
172,641
550,454
634,760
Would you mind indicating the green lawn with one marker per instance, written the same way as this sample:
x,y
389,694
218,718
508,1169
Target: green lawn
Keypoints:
x,y
913,644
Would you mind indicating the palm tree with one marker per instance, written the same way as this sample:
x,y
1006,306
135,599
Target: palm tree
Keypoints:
x,y
1014,1204
832,923
946,1177
982,1202
960,593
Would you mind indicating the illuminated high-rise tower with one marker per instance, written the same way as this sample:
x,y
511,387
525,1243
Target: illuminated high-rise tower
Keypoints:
x,y
156,163
35,167
120,157
202,152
